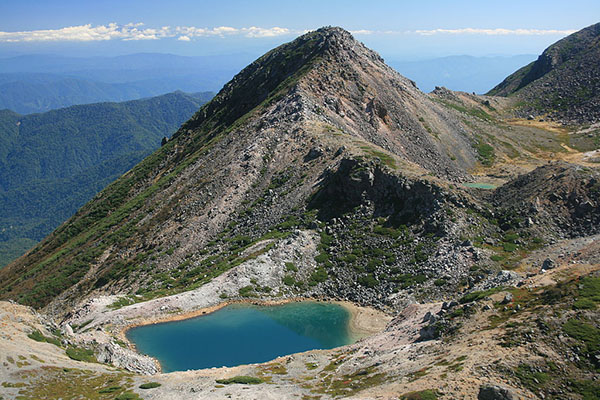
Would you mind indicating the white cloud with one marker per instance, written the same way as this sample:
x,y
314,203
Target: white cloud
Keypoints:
x,y
222,31
256,32
497,31
362,32
469,31
135,31
87,33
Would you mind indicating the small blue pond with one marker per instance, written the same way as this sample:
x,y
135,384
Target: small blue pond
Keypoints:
x,y
480,185
243,334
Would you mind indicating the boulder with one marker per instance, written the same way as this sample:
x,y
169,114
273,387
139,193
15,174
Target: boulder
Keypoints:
x,y
494,392
548,264
508,297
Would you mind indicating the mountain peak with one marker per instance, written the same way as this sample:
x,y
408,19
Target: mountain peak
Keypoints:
x,y
328,77
275,71
251,159
334,37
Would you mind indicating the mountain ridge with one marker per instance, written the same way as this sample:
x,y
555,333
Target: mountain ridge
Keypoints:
x,y
241,143
562,82
287,111
340,180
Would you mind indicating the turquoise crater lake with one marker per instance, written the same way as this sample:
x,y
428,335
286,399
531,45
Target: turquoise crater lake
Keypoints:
x,y
244,334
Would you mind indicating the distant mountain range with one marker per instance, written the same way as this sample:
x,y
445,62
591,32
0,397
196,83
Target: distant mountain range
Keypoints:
x,y
34,93
39,83
52,163
464,73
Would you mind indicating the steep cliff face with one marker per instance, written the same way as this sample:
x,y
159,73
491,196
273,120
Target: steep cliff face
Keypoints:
x,y
563,82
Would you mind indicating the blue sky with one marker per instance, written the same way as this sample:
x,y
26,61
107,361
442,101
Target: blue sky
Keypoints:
x,y
397,29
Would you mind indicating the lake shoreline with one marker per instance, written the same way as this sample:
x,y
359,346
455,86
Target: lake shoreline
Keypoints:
x,y
362,321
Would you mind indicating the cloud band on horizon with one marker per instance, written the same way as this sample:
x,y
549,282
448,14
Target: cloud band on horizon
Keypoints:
x,y
136,31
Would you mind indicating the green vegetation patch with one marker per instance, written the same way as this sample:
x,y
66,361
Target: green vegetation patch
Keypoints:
x,y
473,111
39,337
584,304
81,354
351,384
290,266
73,383
530,378
318,276
150,385
476,296
122,302
240,379
384,157
585,333
427,394
485,152
247,291
289,280
110,389
590,289
589,390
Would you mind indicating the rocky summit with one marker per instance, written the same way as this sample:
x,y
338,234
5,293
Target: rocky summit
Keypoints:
x,y
462,235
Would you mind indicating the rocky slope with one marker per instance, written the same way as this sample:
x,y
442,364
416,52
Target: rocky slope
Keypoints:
x,y
563,82
245,167
319,172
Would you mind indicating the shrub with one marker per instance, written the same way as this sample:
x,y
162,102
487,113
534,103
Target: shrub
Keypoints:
x,y
320,275
246,291
509,247
289,266
241,379
289,280
590,288
326,240
368,281
39,337
475,296
149,385
322,257
373,264
531,378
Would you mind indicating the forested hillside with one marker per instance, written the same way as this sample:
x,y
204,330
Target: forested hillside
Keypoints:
x,y
52,163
